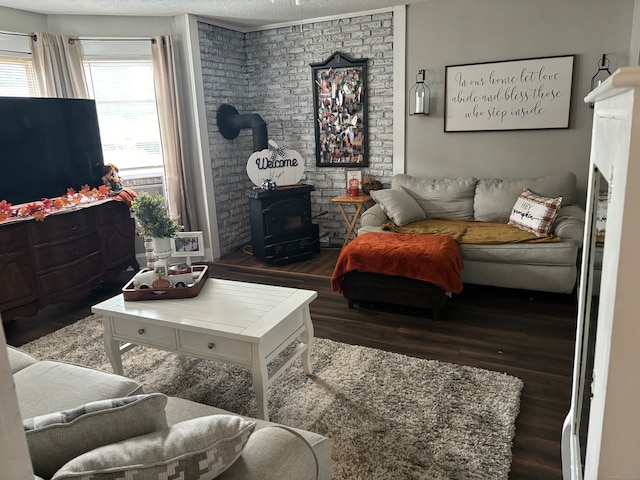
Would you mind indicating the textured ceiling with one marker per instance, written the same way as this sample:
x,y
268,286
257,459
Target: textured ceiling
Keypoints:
x,y
244,14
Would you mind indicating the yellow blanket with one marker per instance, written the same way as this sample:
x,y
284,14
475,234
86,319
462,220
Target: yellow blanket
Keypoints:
x,y
470,231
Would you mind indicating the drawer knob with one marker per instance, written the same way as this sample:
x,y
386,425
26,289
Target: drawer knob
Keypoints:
x,y
210,345
141,331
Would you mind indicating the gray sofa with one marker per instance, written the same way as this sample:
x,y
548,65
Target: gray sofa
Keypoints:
x,y
151,426
549,267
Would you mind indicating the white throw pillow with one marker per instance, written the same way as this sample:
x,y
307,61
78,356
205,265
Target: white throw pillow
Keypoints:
x,y
534,213
399,206
198,449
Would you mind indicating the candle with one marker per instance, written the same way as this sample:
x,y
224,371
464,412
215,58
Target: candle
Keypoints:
x,y
419,101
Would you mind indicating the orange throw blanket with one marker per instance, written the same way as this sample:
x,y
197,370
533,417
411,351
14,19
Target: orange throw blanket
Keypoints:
x,y
433,258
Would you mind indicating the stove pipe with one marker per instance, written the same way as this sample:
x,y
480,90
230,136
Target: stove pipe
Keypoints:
x,y
230,122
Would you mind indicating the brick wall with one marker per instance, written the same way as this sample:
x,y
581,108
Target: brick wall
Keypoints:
x,y
223,58
268,73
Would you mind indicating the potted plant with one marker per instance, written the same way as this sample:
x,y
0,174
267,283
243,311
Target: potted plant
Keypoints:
x,y
154,220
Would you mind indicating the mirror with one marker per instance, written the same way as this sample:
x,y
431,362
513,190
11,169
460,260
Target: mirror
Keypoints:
x,y
577,423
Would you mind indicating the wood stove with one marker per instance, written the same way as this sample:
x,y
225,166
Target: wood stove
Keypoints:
x,y
281,228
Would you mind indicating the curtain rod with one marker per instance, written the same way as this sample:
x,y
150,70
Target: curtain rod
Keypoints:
x,y
18,34
93,39
14,51
117,39
33,35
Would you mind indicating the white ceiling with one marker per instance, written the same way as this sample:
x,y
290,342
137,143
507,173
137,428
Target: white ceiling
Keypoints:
x,y
244,14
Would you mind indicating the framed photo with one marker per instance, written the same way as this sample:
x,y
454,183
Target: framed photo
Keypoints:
x,y
533,93
354,178
188,244
340,111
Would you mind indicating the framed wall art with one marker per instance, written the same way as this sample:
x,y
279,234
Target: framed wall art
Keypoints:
x,y
532,93
340,111
188,244
353,179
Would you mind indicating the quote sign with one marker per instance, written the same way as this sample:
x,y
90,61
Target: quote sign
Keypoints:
x,y
509,95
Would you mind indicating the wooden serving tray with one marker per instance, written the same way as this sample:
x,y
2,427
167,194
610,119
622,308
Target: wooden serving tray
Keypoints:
x,y
129,292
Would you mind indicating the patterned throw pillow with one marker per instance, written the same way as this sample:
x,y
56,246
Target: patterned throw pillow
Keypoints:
x,y
533,213
197,449
56,438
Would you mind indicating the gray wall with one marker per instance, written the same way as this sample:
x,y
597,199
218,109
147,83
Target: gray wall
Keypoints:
x,y
277,86
445,32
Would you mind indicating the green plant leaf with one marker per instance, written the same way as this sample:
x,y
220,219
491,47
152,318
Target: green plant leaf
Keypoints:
x,y
153,217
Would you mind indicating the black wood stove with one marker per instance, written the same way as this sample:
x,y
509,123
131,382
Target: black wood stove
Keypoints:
x,y
281,228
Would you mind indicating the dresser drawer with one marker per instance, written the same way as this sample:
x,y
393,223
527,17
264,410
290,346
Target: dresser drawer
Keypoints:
x,y
73,275
144,333
51,256
63,226
213,346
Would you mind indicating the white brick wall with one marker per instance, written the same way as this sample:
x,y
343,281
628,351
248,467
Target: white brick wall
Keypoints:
x,y
268,72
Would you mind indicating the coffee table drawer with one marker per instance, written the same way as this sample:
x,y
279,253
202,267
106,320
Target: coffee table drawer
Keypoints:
x,y
212,346
146,333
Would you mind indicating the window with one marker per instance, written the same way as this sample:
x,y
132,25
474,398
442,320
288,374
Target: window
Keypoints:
x,y
17,76
120,79
126,104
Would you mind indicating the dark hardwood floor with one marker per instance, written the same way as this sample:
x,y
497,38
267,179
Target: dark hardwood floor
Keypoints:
x,y
526,334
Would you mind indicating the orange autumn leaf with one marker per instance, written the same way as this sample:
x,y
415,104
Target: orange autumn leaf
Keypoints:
x,y
32,207
5,207
39,216
3,216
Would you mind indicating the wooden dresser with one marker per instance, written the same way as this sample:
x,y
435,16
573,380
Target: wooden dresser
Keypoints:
x,y
63,258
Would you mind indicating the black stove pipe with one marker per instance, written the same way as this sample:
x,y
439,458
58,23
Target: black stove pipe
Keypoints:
x,y
230,122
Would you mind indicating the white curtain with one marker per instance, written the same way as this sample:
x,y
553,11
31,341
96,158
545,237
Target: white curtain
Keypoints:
x,y
57,60
177,169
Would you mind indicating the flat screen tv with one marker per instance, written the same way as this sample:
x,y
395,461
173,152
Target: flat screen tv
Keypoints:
x,y
47,145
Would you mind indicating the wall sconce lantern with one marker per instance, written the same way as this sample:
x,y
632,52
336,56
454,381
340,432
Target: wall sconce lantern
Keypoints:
x,y
602,73
419,96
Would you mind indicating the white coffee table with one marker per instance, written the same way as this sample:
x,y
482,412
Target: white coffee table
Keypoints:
x,y
239,323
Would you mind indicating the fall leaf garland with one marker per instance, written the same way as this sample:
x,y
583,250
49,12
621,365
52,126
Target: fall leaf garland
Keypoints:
x,y
39,210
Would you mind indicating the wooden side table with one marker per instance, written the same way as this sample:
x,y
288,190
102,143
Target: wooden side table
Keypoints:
x,y
358,202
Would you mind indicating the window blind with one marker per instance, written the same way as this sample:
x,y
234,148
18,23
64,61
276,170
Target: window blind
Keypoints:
x,y
17,77
125,100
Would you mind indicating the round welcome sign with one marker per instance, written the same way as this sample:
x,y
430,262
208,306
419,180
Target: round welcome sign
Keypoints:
x,y
276,164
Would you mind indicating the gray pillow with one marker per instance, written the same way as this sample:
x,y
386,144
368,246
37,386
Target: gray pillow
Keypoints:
x,y
201,448
442,197
56,438
399,206
495,197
